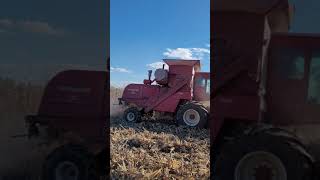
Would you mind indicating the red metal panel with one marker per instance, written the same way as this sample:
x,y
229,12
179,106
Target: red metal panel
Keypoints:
x,y
234,61
178,73
252,6
170,104
299,40
139,91
163,97
181,62
139,94
75,101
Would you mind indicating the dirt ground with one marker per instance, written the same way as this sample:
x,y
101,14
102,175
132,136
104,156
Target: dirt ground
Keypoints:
x,y
157,149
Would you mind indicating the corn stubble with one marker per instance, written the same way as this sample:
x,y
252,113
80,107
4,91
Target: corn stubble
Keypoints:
x,y
158,149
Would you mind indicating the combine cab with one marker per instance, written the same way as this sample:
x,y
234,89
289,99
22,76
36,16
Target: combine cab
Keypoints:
x,y
181,91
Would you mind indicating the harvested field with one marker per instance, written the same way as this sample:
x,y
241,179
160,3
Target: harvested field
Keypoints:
x,y
157,149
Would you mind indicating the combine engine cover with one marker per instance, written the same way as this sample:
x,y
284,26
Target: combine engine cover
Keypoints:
x,y
73,102
138,94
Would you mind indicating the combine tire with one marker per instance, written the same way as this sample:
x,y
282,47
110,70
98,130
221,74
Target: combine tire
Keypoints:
x,y
261,157
69,163
192,114
132,115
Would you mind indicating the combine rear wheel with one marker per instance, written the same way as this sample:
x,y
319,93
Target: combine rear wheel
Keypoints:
x,y
261,157
132,115
192,114
70,162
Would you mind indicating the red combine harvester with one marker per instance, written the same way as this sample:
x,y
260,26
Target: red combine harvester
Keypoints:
x,y
265,99
182,91
74,117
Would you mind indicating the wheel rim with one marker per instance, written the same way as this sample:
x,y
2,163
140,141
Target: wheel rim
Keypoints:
x,y
260,165
130,116
67,171
191,117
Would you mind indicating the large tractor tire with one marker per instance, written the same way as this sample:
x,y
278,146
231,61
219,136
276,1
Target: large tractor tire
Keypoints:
x,y
70,162
261,157
192,114
132,115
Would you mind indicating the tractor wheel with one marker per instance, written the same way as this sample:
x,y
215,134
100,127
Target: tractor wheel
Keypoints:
x,y
132,115
260,157
192,114
70,162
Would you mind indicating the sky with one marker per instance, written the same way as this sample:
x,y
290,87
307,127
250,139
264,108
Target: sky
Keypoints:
x,y
143,32
306,15
40,37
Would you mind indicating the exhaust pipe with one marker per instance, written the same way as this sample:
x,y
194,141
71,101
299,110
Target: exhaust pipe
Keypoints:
x,y
149,74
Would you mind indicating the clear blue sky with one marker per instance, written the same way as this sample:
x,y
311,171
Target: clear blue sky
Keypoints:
x,y
143,32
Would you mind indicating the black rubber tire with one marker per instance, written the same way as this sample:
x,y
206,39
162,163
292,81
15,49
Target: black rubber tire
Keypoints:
x,y
203,113
83,160
297,166
135,111
102,165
